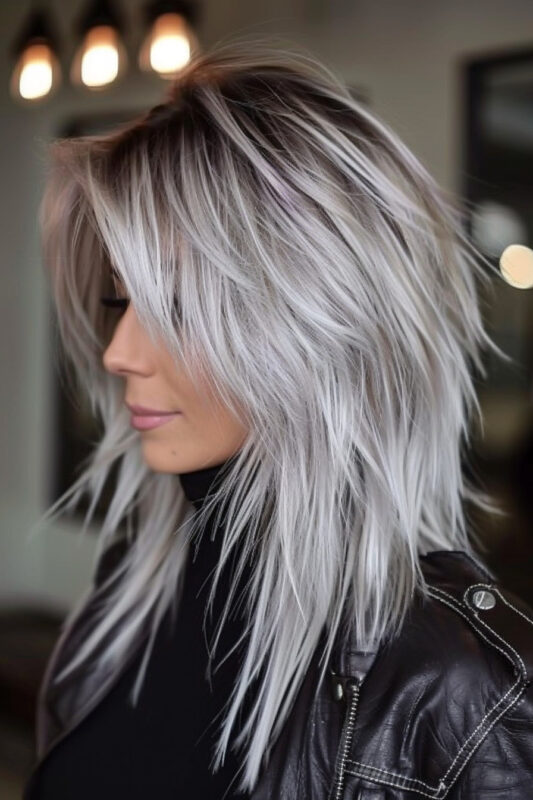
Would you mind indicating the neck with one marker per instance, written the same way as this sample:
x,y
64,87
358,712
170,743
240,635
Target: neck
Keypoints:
x,y
199,483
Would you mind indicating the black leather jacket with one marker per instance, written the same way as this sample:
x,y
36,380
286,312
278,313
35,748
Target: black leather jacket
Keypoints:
x,y
445,710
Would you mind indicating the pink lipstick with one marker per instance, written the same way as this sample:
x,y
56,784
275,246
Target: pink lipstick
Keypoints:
x,y
144,419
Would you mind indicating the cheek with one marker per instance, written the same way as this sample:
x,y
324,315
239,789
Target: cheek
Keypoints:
x,y
204,417
188,392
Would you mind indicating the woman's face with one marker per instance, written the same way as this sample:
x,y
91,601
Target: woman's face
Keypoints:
x,y
203,434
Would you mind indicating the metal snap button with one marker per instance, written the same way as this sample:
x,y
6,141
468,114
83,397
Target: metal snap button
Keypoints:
x,y
483,599
338,690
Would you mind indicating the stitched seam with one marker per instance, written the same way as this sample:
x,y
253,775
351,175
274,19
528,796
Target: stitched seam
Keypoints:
x,y
401,781
436,794
515,701
457,605
508,603
479,567
493,588
492,710
393,774
464,745
367,770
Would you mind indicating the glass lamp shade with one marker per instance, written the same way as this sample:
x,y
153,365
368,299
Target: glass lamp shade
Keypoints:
x,y
168,45
100,59
36,74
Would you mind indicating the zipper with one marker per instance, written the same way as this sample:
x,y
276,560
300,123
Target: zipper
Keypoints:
x,y
345,688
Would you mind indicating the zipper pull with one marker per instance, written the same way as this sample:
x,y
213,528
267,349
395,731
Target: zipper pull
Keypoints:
x,y
342,684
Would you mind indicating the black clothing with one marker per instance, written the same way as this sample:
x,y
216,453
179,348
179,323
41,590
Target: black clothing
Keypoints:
x,y
161,747
444,710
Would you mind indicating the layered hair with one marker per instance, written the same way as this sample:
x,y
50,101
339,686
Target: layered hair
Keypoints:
x,y
284,241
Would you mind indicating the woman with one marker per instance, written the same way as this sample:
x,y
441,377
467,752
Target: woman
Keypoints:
x,y
264,267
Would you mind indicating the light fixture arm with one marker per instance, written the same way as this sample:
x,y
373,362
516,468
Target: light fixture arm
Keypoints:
x,y
36,30
100,12
189,10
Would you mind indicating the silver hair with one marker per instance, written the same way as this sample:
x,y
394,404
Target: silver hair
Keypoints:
x,y
285,242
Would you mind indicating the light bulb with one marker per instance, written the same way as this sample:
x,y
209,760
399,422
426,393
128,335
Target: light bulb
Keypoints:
x,y
168,45
516,266
37,72
34,72
100,57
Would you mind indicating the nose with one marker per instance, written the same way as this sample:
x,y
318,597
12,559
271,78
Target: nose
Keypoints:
x,y
125,352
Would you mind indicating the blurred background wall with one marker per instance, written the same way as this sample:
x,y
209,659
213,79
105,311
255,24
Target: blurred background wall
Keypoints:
x,y
402,54
405,57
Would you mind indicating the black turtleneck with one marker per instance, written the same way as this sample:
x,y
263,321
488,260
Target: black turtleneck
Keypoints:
x,y
163,746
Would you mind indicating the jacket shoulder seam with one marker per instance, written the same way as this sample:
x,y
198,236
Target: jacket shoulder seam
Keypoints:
x,y
368,771
519,685
491,587
473,617
482,729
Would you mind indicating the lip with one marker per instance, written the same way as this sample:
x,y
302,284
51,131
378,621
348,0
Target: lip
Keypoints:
x,y
144,418
141,411
144,422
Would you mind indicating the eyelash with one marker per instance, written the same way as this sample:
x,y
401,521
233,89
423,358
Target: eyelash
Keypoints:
x,y
123,302
115,302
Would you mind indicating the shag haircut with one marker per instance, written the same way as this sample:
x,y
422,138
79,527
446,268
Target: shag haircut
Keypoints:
x,y
282,240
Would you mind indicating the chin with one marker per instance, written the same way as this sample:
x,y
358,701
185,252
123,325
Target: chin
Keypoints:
x,y
156,466
158,462
160,458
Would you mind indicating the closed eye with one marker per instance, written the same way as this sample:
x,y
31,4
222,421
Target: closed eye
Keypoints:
x,y
115,302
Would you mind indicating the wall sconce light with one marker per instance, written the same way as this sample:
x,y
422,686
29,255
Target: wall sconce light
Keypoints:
x,y
101,57
37,72
170,40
